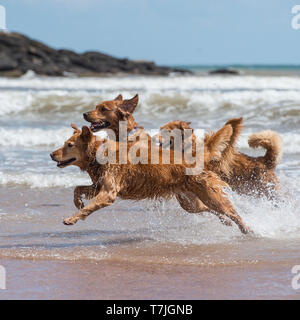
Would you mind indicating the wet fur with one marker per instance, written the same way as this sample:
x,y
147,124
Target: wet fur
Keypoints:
x,y
119,109
244,174
137,182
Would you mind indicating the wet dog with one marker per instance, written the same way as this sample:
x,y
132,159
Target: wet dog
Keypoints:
x,y
137,181
108,114
245,174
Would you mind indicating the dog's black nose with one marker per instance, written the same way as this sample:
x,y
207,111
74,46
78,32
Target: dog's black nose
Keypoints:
x,y
85,115
51,155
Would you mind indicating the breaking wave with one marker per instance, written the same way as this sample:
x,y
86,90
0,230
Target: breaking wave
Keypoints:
x,y
259,98
40,180
37,137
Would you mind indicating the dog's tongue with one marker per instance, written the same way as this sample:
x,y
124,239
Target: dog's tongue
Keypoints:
x,y
95,125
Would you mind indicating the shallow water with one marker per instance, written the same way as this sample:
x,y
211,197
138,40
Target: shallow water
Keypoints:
x,y
35,195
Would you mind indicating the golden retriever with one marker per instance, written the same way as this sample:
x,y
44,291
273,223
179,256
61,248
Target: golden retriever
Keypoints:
x,y
137,181
244,174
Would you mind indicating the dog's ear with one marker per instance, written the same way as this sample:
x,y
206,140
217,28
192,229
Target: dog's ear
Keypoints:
x,y
218,142
76,130
130,104
119,98
86,134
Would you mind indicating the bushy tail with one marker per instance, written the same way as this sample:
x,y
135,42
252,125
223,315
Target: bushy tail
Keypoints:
x,y
272,142
237,127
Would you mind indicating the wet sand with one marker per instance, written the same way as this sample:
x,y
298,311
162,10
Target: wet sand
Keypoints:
x,y
28,279
136,251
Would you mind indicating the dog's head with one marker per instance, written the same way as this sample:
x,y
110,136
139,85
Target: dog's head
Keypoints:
x,y
75,149
215,144
107,114
181,125
174,126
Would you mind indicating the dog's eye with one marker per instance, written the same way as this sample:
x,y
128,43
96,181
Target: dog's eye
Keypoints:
x,y
70,145
104,109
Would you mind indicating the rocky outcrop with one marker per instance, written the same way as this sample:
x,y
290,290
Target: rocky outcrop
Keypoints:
x,y
225,71
19,54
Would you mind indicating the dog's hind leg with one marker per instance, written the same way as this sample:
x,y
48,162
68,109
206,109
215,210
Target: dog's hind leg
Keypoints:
x,y
104,198
209,188
192,204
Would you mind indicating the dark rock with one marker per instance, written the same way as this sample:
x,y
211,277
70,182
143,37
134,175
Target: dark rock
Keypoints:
x,y
6,62
18,54
225,71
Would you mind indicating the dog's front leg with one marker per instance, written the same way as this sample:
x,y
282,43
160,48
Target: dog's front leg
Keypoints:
x,y
104,198
88,191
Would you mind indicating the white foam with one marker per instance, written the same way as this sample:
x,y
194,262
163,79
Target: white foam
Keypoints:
x,y
30,137
39,180
33,137
159,96
269,221
133,83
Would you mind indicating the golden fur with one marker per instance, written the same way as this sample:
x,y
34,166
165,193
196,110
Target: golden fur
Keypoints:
x,y
139,181
244,174
109,113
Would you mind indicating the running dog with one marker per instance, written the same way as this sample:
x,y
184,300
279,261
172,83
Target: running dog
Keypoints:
x,y
108,114
137,181
244,174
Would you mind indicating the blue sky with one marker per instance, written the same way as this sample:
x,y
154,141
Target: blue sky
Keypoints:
x,y
165,31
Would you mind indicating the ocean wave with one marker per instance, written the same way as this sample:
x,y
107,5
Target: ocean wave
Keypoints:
x,y
39,180
54,101
36,137
31,137
142,83
159,102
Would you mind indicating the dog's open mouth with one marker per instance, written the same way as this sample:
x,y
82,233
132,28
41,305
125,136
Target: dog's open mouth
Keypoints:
x,y
96,126
61,164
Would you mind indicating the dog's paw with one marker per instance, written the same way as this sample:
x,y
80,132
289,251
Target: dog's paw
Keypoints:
x,y
70,221
247,230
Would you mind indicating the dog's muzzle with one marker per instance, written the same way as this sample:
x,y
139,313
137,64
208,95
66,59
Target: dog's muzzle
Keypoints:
x,y
86,116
